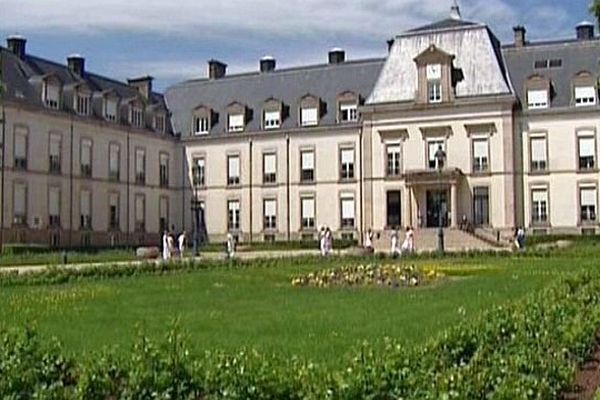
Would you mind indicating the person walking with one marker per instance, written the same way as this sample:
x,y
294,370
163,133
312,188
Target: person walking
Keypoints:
x,y
408,246
394,250
182,243
230,246
171,244
165,246
328,241
322,241
369,241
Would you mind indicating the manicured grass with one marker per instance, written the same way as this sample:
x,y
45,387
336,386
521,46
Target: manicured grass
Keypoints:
x,y
227,308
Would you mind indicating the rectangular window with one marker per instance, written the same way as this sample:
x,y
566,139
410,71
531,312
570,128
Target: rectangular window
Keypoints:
x,y
85,209
159,123
346,164
113,211
20,204
270,213
585,96
140,213
86,158
393,159
201,125
140,166
114,162
54,207
272,119
236,123
432,148
347,212
233,213
307,165
481,206
269,168
233,170
588,198
587,151
348,112
480,155
537,99
539,209
198,172
54,154
309,116
434,91
83,104
137,117
538,154
51,95
20,149
164,170
308,212
163,210
110,109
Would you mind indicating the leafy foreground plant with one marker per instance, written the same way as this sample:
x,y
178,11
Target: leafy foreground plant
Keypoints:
x,y
527,350
390,275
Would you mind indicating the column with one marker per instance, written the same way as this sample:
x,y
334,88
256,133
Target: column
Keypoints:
x,y
454,205
407,206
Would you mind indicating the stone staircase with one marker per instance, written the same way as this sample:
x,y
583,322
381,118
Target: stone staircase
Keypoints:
x,y
426,240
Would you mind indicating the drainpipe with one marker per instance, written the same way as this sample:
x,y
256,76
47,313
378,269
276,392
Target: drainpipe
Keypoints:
x,y
127,191
2,170
71,187
287,184
250,172
183,186
360,184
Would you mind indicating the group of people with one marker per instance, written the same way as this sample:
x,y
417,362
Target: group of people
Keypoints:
x,y
173,245
407,247
325,241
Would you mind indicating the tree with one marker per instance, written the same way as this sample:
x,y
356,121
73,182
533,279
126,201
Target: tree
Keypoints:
x,y
595,9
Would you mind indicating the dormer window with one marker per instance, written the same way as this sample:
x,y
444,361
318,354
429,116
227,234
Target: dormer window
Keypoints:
x,y
136,117
309,111
201,125
537,99
51,94
585,96
348,112
159,123
82,106
202,120
272,119
236,123
110,109
434,83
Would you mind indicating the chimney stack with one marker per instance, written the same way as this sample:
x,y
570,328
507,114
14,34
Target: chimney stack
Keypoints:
x,y
267,64
143,84
216,69
337,56
585,31
16,45
76,64
520,32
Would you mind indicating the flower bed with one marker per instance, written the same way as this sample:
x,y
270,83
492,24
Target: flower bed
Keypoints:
x,y
386,275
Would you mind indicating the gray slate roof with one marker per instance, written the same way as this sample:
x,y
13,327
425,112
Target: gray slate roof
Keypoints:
x,y
477,54
576,56
20,77
287,85
448,23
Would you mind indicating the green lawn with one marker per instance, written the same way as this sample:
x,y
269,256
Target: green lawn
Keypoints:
x,y
227,308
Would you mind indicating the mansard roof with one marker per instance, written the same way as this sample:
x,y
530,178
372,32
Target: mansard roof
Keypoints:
x,y
448,23
287,85
23,77
575,56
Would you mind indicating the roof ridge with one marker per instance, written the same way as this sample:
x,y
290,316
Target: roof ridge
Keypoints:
x,y
552,42
282,71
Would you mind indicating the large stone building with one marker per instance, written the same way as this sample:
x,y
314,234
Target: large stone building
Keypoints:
x,y
276,153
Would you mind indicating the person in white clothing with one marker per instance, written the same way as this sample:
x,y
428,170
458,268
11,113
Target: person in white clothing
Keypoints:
x,y
369,240
409,241
395,251
171,244
322,241
328,241
165,246
230,246
181,243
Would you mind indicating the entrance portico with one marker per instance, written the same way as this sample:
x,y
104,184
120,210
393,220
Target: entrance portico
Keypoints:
x,y
431,196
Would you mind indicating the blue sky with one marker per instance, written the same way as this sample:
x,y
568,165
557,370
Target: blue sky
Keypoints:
x,y
172,40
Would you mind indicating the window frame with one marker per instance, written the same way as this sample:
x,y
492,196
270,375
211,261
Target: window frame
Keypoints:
x,y
482,167
269,178
304,178
86,171
234,181
587,221
311,224
347,223
85,221
347,171
140,176
390,172
269,221
537,220
533,169
163,170
234,220
139,224
55,160
582,134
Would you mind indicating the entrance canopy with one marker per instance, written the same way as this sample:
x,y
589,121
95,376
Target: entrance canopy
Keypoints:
x,y
448,176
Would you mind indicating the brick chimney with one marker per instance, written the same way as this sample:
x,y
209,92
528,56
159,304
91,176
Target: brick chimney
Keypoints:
x,y
216,69
76,64
143,84
520,32
16,44
267,64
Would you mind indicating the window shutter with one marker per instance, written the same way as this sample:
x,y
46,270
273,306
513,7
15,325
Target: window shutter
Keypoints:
x,y
588,197
86,152
347,207
586,146
234,206
139,160
308,208
20,199
537,98
270,163
348,156
587,92
20,145
52,92
308,160
85,202
234,166
538,149
393,149
236,121
309,116
55,145
53,201
480,148
270,208
540,196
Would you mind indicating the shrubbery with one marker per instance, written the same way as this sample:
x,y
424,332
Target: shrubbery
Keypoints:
x,y
527,350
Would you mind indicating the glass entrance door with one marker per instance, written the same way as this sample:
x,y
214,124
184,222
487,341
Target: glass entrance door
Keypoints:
x,y
437,208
